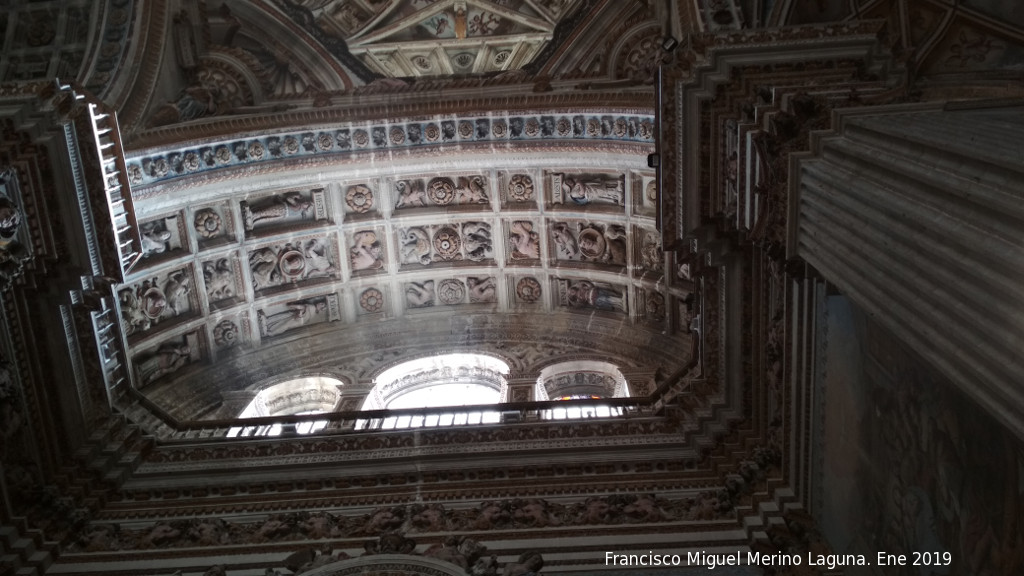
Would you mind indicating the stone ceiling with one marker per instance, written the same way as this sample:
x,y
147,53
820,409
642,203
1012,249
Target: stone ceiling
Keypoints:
x,y
355,231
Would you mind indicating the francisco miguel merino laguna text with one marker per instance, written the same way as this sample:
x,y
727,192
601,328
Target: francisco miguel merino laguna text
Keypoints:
x,y
711,561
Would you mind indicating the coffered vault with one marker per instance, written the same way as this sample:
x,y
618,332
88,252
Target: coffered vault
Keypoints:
x,y
217,204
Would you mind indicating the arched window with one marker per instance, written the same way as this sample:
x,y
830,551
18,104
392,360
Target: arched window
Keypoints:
x,y
296,397
438,381
581,380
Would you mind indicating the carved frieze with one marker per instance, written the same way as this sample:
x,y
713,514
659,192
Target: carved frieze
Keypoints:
x,y
585,294
283,210
297,262
590,242
588,190
456,242
157,300
145,170
278,319
442,191
169,357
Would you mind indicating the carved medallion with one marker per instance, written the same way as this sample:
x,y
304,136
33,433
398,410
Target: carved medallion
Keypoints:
x,y
441,191
528,289
447,243
451,291
532,127
225,334
520,188
359,198
371,300
208,223
397,136
563,127
651,190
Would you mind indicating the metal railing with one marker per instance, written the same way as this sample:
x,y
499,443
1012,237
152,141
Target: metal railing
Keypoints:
x,y
375,421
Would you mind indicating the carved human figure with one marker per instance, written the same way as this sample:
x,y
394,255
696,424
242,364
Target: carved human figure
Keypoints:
x,y
586,294
166,360
281,207
195,101
524,241
366,253
297,315
596,190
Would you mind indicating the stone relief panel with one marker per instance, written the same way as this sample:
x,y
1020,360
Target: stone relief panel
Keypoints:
x,y
645,194
653,304
278,319
367,251
372,301
526,291
585,294
282,210
360,199
424,245
293,263
172,355
157,300
517,188
648,258
587,189
229,332
144,170
452,291
163,238
420,294
523,241
222,279
442,191
582,241
213,225
581,383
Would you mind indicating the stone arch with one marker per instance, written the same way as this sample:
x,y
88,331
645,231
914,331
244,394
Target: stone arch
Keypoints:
x,y
638,54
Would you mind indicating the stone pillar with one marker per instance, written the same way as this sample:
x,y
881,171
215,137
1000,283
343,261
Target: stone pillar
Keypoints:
x,y
917,214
